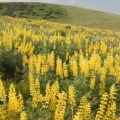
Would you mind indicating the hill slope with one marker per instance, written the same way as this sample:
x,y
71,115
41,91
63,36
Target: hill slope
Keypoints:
x,y
92,18
62,14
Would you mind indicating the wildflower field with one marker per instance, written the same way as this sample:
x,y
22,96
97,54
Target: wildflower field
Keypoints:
x,y
52,71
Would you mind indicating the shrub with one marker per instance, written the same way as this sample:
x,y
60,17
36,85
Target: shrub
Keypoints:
x,y
10,64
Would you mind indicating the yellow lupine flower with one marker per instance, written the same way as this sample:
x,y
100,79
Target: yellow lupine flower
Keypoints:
x,y
47,95
67,56
15,103
92,81
21,102
51,60
84,110
59,68
37,97
54,92
23,116
74,68
102,88
102,74
61,106
102,107
65,70
2,92
3,112
71,96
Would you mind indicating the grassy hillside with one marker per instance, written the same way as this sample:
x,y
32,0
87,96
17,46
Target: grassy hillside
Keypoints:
x,y
62,14
92,18
53,71
32,10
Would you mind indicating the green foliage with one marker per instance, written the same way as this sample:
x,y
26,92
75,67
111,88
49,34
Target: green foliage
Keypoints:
x,y
23,87
10,64
38,113
31,10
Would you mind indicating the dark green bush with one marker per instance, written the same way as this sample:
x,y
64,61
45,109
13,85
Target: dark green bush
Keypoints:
x,y
10,65
32,10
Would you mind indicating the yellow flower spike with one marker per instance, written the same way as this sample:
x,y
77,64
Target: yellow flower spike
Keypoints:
x,y
102,74
3,113
102,88
15,103
21,102
38,67
38,63
25,60
47,95
61,106
92,61
71,96
2,92
23,116
85,67
44,68
84,110
76,54
111,107
31,64
102,107
103,47
51,60
53,98
67,56
37,97
118,76
31,83
97,63
81,58
74,68
92,81
65,70
12,102
59,68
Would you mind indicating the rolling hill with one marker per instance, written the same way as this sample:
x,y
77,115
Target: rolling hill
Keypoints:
x,y
62,14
